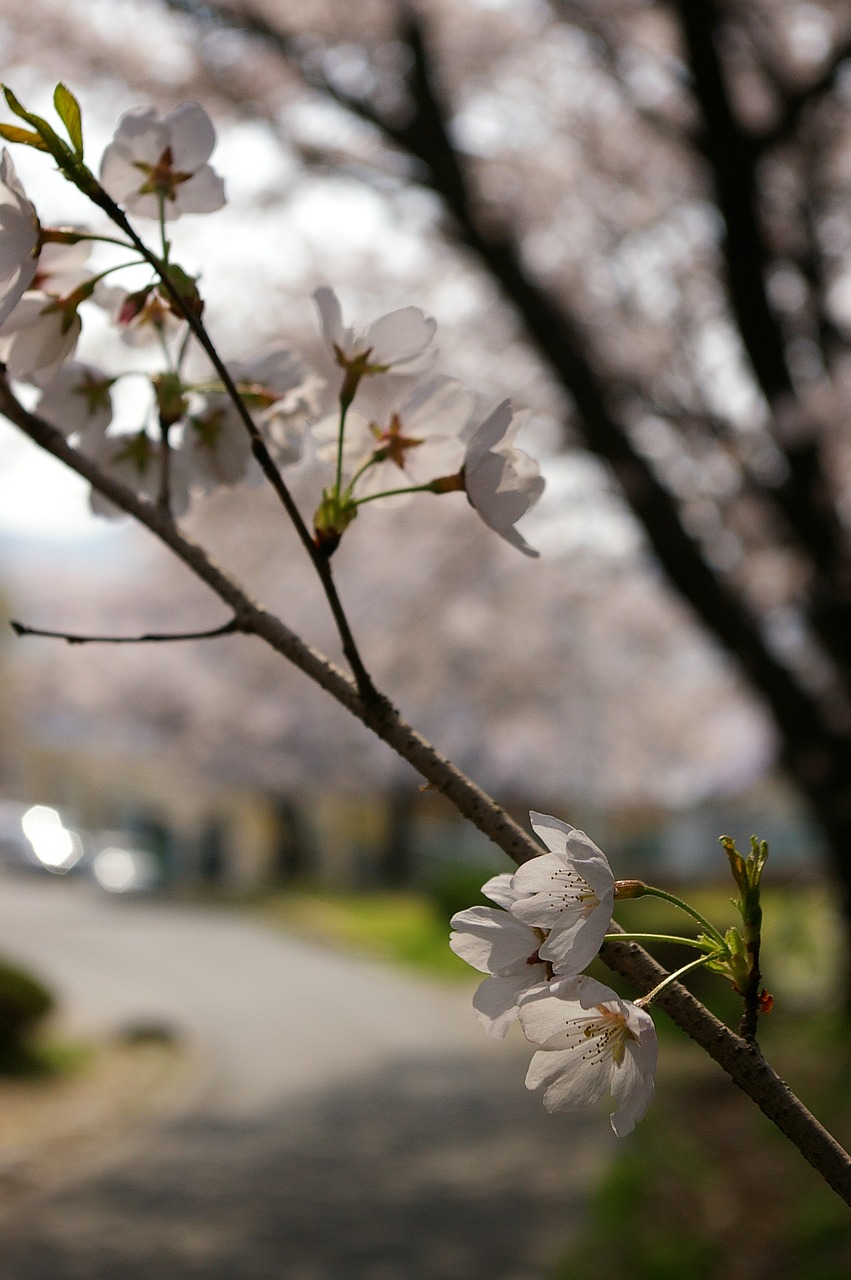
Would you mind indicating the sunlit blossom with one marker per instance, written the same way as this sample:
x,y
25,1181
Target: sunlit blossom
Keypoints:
x,y
568,891
493,942
37,336
417,442
395,341
77,400
592,1043
19,238
502,482
61,267
159,166
137,460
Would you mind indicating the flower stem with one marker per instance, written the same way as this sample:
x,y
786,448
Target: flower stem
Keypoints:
x,y
643,1001
651,891
655,937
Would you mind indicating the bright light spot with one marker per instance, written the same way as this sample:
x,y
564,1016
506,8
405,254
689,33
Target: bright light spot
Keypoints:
x,y
53,844
125,870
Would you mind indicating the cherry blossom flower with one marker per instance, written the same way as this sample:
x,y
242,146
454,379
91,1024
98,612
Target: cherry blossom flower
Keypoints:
x,y
420,441
502,482
568,891
61,267
137,460
77,400
396,341
155,167
19,238
280,394
495,943
592,1043
37,336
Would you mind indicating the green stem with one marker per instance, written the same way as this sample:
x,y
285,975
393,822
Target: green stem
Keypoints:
x,y
391,493
651,891
672,977
655,937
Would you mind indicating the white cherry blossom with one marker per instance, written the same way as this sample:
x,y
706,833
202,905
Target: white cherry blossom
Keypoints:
x,y
77,400
502,482
136,459
61,267
153,165
493,942
568,891
280,394
19,238
420,440
396,341
37,336
592,1043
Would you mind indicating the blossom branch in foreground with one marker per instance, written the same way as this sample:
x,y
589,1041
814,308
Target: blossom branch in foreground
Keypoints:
x,y
258,444
740,1058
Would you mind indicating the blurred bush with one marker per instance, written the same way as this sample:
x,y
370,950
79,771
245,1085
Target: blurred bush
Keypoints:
x,y
458,888
24,1003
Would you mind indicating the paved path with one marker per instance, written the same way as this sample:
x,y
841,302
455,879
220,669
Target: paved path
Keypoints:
x,y
354,1123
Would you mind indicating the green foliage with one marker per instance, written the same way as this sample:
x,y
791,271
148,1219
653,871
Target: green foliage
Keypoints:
x,y
24,1004
458,888
403,927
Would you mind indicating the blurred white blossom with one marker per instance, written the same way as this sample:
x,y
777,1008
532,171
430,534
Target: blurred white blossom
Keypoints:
x,y
502,482
19,238
395,341
153,166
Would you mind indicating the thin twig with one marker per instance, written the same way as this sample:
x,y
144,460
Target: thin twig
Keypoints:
x,y
151,637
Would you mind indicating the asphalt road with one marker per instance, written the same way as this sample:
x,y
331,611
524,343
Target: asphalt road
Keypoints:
x,y
352,1123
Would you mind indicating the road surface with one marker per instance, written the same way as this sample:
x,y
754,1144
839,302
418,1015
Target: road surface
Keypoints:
x,y
353,1123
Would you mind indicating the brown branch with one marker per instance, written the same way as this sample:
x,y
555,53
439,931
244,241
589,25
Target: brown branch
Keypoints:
x,y
741,1061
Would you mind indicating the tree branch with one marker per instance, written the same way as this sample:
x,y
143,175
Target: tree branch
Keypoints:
x,y
741,1061
227,629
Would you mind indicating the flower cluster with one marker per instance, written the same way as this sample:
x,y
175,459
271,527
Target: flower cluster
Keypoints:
x,y
428,442
551,918
199,432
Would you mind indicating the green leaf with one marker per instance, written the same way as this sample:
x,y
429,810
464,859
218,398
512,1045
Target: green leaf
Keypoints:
x,y
60,150
68,110
12,133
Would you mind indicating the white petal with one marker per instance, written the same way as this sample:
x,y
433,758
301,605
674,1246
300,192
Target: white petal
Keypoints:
x,y
492,941
495,429
399,336
441,406
496,1001
330,316
191,136
499,889
571,1082
204,192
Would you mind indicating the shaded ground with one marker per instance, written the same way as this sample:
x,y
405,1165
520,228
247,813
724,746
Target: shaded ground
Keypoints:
x,y
354,1124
